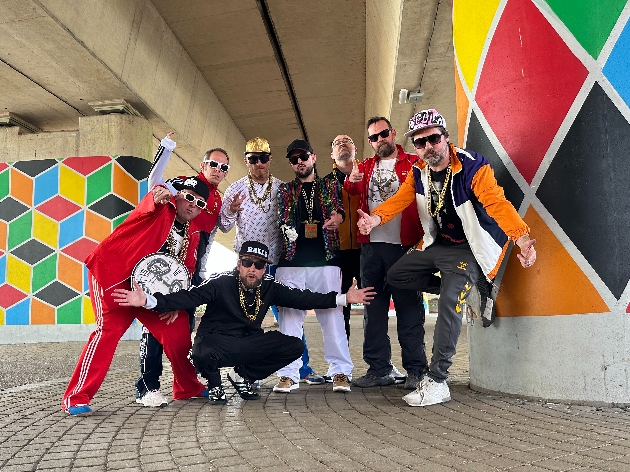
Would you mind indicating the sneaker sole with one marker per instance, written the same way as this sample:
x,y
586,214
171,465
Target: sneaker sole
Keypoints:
x,y
161,405
88,413
217,402
310,382
444,400
341,389
286,390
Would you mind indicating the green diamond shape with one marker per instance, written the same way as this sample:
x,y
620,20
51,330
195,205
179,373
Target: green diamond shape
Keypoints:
x,y
70,313
4,183
99,184
44,272
20,229
590,21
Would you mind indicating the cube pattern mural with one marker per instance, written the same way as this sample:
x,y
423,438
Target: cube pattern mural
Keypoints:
x,y
53,213
543,91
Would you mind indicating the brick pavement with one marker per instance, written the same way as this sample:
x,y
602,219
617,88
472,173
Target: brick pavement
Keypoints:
x,y
311,428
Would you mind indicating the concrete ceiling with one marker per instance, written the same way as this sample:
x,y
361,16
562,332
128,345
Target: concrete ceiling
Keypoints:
x,y
280,68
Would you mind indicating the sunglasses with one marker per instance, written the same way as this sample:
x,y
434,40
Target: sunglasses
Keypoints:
x,y
383,134
294,159
253,159
433,139
214,164
247,263
192,199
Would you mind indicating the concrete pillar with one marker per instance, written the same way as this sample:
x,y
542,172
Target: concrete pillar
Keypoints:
x,y
542,92
55,208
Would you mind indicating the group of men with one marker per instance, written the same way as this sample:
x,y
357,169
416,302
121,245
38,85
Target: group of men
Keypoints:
x,y
397,224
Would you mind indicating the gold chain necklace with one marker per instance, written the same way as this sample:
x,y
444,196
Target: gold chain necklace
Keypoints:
x,y
257,301
384,194
259,201
309,203
216,202
441,194
170,243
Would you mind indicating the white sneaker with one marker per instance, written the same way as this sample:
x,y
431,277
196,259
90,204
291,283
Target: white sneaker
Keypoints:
x,y
399,377
429,392
153,398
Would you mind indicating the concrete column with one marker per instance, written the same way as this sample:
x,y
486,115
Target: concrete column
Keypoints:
x,y
115,135
542,92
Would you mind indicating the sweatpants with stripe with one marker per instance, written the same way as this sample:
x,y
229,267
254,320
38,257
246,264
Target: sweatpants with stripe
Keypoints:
x,y
112,320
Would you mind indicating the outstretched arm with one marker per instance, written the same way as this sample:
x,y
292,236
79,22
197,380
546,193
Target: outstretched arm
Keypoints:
x,y
160,161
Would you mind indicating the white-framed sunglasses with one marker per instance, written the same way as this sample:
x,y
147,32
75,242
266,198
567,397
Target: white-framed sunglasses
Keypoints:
x,y
214,164
200,202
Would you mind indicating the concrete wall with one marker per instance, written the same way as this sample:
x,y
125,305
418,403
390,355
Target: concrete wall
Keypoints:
x,y
54,210
545,97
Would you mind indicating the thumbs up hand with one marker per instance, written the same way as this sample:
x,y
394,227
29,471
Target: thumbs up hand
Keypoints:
x,y
355,176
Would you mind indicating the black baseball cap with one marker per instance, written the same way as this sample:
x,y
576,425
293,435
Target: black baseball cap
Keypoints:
x,y
299,144
193,183
254,248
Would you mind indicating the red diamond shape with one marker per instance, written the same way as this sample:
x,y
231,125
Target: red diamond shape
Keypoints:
x,y
628,309
80,249
3,166
86,165
529,80
58,208
9,296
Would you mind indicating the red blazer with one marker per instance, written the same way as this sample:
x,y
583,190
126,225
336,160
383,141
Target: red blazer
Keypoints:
x,y
410,229
143,232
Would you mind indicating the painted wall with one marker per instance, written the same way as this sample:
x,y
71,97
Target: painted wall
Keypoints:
x,y
53,213
543,91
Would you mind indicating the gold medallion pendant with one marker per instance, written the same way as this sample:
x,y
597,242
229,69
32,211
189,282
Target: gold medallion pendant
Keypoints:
x,y
310,230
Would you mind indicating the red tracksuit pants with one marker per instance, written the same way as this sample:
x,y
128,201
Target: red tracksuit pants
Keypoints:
x,y
112,320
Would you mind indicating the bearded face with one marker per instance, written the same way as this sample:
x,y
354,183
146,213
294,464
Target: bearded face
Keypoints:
x,y
250,281
385,149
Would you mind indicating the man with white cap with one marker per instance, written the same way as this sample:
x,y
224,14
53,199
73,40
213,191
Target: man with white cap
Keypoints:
x,y
468,225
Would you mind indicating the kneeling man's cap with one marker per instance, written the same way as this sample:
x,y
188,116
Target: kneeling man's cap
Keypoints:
x,y
193,183
254,248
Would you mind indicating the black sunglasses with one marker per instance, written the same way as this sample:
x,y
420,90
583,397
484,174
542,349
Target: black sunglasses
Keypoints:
x,y
247,263
294,159
192,199
253,158
433,139
383,134
214,164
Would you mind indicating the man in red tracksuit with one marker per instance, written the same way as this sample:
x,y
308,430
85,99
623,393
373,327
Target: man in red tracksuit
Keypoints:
x,y
376,179
160,223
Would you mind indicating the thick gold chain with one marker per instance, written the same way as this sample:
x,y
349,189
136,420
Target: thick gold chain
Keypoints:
x,y
441,194
259,201
170,243
257,300
216,202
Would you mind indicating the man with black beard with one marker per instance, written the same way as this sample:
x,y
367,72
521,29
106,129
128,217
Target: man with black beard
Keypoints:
x,y
376,179
309,212
230,333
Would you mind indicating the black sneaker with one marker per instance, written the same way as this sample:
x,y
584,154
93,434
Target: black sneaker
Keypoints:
x,y
216,396
243,386
413,381
369,380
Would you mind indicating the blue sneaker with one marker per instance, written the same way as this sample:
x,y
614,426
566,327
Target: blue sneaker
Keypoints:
x,y
204,393
79,410
327,379
314,379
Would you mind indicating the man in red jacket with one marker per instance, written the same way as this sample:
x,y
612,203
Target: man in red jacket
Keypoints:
x,y
160,223
376,179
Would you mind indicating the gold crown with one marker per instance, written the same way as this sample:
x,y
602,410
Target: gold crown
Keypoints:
x,y
257,145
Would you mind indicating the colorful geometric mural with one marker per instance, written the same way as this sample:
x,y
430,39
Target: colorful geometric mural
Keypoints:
x,y
53,213
545,96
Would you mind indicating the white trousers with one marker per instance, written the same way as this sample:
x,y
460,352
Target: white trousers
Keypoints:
x,y
317,279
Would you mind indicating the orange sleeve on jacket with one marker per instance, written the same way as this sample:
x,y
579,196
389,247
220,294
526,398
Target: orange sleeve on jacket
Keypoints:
x,y
395,204
492,197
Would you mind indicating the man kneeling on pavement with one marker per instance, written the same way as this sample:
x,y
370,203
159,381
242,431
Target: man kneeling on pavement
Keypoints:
x,y
230,333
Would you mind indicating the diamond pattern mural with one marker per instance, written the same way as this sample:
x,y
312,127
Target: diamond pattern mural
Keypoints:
x,y
53,213
550,109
